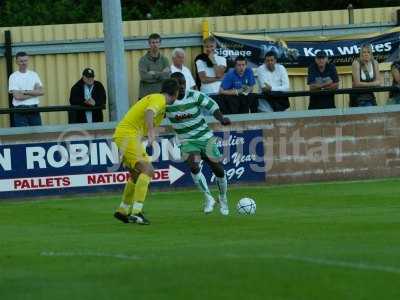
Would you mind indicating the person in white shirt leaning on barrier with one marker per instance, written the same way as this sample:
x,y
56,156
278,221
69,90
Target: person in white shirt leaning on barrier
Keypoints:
x,y
197,141
272,77
26,87
178,58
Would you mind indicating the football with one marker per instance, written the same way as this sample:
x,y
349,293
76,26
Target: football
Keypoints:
x,y
246,206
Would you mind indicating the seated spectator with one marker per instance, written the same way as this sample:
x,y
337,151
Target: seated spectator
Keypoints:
x,y
210,68
87,92
153,67
26,87
322,75
178,57
272,77
395,95
236,89
365,71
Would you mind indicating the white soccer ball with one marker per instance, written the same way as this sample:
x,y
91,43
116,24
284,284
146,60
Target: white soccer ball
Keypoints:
x,y
246,206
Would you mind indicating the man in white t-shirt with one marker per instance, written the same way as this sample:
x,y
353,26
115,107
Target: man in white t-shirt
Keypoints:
x,y
26,87
178,58
210,67
272,77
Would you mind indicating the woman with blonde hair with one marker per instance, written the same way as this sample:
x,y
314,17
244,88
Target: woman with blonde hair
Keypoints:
x,y
365,74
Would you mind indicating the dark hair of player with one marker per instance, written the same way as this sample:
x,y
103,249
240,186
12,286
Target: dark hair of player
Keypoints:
x,y
170,87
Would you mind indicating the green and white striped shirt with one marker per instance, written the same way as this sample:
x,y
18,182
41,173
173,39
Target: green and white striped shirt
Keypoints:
x,y
187,119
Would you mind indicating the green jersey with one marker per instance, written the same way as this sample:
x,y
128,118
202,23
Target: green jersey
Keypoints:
x,y
187,119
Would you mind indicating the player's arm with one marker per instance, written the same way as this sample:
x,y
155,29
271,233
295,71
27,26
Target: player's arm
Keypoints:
x,y
209,104
156,106
148,118
220,117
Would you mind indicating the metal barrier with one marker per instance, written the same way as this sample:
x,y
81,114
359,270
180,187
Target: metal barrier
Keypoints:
x,y
280,94
337,91
67,108
48,109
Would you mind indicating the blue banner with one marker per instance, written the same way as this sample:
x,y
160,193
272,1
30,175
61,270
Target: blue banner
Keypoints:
x,y
94,165
300,52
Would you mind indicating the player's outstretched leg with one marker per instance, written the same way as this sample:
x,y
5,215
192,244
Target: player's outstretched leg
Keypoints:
x,y
146,171
201,182
222,184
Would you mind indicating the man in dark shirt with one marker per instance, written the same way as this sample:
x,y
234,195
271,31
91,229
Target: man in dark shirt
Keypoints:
x,y
87,92
322,75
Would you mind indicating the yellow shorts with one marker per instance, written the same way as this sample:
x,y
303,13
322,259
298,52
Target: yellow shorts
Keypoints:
x,y
132,150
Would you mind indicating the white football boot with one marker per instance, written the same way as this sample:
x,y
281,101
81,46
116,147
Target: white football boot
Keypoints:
x,y
223,206
209,203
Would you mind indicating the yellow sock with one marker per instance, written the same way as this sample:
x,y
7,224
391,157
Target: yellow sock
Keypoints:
x,y
127,198
129,191
142,184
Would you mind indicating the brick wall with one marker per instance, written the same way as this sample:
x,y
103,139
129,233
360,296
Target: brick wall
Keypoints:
x,y
336,147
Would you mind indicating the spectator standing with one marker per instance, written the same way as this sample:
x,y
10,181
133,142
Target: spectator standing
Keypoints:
x,y
272,77
153,67
322,75
395,95
87,92
178,58
365,72
236,88
210,68
26,87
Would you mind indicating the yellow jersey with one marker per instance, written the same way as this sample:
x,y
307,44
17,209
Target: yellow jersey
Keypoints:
x,y
134,122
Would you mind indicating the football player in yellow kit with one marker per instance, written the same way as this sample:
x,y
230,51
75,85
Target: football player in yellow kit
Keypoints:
x,y
141,120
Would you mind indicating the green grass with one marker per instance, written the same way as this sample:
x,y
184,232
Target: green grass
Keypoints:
x,y
319,241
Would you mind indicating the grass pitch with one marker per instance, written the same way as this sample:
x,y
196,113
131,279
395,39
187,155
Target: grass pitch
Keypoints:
x,y
319,241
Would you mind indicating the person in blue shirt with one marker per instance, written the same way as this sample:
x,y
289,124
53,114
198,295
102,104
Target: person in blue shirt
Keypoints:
x,y
237,89
322,75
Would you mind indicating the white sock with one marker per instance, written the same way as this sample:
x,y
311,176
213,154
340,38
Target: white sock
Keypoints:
x,y
201,183
222,184
137,207
123,205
